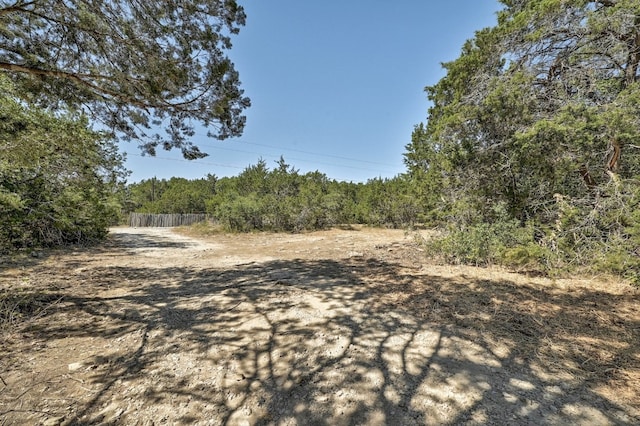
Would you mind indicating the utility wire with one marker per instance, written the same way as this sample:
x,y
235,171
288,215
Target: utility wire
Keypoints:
x,y
314,162
206,163
340,166
316,154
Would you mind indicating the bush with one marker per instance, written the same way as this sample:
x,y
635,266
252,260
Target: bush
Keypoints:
x,y
503,242
241,214
57,176
600,235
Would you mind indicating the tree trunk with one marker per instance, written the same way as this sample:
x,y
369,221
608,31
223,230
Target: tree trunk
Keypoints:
x,y
613,159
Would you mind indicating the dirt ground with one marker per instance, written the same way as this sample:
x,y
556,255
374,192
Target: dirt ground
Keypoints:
x,y
341,327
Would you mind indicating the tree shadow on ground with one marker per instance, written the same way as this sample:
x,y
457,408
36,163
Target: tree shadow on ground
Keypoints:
x,y
126,243
358,341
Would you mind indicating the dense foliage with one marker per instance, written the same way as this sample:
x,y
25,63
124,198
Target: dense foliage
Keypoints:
x,y
278,199
136,66
149,71
537,124
58,178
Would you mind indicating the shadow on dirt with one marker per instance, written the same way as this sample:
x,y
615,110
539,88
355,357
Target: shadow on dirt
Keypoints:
x,y
134,241
353,342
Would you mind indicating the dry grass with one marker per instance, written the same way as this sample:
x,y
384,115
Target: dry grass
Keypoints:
x,y
205,229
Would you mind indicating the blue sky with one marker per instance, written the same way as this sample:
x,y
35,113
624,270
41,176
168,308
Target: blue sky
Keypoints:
x,y
336,86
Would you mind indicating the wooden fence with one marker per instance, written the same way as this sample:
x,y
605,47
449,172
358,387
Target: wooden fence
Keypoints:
x,y
164,220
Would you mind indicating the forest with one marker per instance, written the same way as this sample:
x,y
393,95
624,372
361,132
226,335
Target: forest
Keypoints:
x,y
529,155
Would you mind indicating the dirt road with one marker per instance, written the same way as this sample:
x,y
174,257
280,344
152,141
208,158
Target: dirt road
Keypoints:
x,y
343,327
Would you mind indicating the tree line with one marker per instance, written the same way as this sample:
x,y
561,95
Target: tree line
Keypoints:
x,y
279,198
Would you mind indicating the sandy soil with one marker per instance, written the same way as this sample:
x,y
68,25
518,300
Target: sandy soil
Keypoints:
x,y
343,327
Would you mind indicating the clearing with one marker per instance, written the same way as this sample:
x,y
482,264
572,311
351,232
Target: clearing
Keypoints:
x,y
339,327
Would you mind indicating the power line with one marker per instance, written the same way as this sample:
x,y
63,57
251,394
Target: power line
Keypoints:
x,y
273,156
206,163
344,166
317,154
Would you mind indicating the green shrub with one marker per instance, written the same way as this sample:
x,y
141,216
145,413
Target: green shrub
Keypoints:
x,y
57,176
504,241
241,214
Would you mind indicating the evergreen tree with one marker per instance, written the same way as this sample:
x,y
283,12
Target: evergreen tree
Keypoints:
x,y
136,66
541,115
58,178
